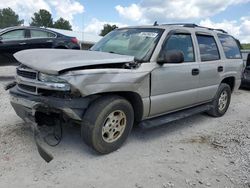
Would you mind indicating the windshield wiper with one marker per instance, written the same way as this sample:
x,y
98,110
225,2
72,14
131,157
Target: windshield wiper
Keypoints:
x,y
137,60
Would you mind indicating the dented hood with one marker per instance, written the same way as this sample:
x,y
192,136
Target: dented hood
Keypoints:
x,y
52,61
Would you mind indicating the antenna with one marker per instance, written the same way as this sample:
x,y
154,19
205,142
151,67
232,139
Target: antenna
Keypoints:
x,y
82,42
155,24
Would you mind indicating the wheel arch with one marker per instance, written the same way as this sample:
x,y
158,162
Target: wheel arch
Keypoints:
x,y
134,99
230,81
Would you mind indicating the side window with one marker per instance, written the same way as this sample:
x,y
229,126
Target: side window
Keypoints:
x,y
14,35
41,34
230,46
208,48
182,42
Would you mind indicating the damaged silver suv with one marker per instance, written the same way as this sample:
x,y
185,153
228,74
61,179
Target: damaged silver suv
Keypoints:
x,y
147,75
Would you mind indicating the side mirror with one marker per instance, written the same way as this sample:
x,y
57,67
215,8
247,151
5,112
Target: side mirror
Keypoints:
x,y
171,56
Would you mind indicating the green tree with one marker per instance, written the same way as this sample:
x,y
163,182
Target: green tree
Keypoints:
x,y
107,28
42,18
9,18
62,24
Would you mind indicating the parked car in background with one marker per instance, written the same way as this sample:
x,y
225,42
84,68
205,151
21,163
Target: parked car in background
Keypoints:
x,y
246,74
14,39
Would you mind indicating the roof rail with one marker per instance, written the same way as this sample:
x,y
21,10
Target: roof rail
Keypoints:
x,y
221,30
183,24
195,25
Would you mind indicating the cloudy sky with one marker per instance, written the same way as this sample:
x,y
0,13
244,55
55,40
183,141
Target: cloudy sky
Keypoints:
x,y
90,15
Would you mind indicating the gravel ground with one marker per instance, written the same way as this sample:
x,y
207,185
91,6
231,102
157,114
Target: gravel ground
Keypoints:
x,y
199,151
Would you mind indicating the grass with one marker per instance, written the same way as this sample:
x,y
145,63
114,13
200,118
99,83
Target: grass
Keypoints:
x,y
246,46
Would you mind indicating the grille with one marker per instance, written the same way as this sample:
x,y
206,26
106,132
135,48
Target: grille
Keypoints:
x,y
27,88
26,74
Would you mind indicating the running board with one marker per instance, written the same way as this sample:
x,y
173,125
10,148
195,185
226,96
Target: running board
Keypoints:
x,y
161,120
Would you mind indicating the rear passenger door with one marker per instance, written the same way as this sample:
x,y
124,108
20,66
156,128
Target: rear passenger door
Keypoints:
x,y
210,66
41,39
174,86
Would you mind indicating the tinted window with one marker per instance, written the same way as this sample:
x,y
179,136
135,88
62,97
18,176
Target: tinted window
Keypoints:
x,y
230,46
182,42
41,34
208,48
14,35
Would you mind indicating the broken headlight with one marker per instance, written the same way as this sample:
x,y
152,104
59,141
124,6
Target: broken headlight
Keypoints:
x,y
50,78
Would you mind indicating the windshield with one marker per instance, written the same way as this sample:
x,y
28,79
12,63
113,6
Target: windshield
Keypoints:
x,y
139,42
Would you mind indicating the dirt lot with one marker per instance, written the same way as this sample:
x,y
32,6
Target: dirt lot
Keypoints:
x,y
199,151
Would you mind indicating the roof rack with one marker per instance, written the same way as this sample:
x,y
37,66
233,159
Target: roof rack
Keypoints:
x,y
192,25
183,24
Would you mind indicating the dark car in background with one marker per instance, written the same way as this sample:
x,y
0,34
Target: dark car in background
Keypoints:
x,y
14,39
246,74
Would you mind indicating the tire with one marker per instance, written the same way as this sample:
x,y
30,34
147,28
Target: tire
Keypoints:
x,y
219,108
99,130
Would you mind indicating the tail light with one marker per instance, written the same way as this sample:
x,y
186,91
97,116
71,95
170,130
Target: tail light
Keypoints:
x,y
74,40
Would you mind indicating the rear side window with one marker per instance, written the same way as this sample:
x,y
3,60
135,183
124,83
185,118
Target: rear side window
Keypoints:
x,y
41,34
182,42
230,47
208,48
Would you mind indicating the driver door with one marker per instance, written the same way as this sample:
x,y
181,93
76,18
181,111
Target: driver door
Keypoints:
x,y
174,86
13,41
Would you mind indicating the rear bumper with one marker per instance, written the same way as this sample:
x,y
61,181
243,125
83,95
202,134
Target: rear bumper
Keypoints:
x,y
26,105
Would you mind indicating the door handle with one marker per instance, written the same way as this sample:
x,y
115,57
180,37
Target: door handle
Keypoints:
x,y
49,41
22,43
195,72
220,69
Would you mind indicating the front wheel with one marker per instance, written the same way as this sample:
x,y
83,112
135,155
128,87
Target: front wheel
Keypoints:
x,y
107,123
221,102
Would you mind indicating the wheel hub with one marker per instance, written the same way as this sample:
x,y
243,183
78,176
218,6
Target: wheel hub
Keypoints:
x,y
223,100
114,126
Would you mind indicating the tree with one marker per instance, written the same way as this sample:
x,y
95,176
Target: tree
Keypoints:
x,y
9,18
107,28
62,24
42,18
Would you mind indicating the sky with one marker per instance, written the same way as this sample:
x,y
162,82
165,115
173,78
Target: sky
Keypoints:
x,y
90,15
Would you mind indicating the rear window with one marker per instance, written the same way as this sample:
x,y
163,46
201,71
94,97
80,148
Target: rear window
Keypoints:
x,y
230,47
208,48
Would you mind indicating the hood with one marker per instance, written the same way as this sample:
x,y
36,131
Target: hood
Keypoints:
x,y
52,61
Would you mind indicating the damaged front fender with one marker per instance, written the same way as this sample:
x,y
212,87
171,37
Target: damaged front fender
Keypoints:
x,y
93,81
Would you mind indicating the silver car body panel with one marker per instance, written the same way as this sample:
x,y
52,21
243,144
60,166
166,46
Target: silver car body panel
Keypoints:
x,y
52,61
163,89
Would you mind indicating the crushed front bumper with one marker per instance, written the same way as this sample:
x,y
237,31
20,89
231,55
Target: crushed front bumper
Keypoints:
x,y
26,104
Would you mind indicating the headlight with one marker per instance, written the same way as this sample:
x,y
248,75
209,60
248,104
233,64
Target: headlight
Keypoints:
x,y
50,78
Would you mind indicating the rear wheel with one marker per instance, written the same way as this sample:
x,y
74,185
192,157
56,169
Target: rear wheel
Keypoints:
x,y
107,123
221,102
